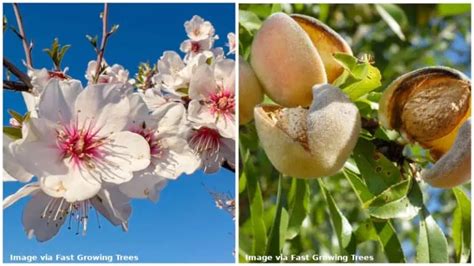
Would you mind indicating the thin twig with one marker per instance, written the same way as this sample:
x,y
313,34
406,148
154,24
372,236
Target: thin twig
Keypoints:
x,y
105,37
15,86
26,46
17,72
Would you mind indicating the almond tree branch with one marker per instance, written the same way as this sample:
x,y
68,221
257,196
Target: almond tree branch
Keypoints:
x,y
105,37
26,46
17,72
15,86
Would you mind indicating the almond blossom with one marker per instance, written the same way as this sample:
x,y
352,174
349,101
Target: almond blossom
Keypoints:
x,y
199,29
212,148
79,141
44,215
165,131
111,74
231,43
212,93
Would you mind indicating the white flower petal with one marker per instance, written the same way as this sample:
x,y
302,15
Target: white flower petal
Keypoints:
x,y
113,205
202,83
39,158
176,159
199,113
57,101
21,193
76,185
144,185
13,170
126,152
224,72
170,116
106,105
34,223
228,150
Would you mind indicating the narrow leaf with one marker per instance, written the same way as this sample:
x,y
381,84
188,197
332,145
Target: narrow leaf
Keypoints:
x,y
15,115
256,208
298,201
273,246
388,239
249,21
388,12
432,245
462,226
340,223
12,132
403,200
378,172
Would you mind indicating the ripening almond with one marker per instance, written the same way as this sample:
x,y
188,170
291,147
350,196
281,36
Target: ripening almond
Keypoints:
x,y
429,106
310,143
454,168
326,41
286,62
250,92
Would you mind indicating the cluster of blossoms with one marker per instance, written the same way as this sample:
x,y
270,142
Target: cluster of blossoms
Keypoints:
x,y
118,138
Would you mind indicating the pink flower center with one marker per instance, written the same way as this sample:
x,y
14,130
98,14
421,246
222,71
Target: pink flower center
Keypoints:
x,y
151,138
223,103
80,145
205,139
195,47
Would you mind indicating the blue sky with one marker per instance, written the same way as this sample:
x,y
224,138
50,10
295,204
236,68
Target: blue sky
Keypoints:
x,y
185,225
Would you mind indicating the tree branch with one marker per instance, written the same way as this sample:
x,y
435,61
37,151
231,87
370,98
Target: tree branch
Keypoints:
x,y
26,46
105,37
17,72
15,86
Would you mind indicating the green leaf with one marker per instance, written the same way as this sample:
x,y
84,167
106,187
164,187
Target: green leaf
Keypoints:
x,y
92,40
298,201
394,17
12,132
16,115
242,182
403,200
462,226
378,172
63,51
114,28
359,77
370,82
453,9
249,21
340,223
432,245
362,192
256,208
388,239
347,61
273,246
276,8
